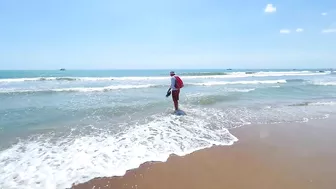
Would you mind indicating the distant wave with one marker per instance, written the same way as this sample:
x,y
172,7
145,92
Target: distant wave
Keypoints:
x,y
325,83
201,75
80,89
240,82
261,73
241,90
120,87
40,79
204,73
61,79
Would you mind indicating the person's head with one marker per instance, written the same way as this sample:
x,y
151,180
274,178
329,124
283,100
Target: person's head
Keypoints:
x,y
172,73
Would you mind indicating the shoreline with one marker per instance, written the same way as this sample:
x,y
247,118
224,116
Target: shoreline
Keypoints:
x,y
296,155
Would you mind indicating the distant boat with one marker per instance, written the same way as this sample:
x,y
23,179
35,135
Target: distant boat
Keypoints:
x,y
62,69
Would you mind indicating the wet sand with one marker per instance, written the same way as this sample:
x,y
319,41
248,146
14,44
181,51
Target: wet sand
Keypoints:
x,y
280,156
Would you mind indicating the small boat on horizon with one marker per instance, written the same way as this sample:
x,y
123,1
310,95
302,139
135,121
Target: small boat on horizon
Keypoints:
x,y
62,69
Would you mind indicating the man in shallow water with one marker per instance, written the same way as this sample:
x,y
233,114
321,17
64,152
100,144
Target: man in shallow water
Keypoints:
x,y
174,91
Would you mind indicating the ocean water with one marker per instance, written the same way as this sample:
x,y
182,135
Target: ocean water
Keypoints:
x,y
63,127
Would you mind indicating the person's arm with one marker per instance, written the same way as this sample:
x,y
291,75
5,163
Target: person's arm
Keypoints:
x,y
172,84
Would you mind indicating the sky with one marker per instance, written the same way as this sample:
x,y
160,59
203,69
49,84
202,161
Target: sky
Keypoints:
x,y
167,34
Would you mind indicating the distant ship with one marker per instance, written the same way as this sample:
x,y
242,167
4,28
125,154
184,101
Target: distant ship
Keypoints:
x,y
62,69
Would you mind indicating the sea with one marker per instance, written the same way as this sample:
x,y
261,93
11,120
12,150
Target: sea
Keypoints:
x,y
63,127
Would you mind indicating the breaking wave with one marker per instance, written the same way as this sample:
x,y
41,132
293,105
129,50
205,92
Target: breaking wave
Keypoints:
x,y
122,87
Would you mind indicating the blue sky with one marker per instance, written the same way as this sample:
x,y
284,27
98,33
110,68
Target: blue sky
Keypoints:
x,y
174,34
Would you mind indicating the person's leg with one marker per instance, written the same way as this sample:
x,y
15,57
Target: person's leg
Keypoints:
x,y
175,96
176,105
177,99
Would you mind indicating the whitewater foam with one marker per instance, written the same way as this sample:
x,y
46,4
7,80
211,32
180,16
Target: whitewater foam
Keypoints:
x,y
49,162
52,161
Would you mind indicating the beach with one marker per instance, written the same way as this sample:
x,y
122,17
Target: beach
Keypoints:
x,y
59,128
274,156
88,95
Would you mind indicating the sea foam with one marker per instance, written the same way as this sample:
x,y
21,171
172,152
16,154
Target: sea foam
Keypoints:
x,y
54,163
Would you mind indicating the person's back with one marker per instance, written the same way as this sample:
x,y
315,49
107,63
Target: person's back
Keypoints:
x,y
173,83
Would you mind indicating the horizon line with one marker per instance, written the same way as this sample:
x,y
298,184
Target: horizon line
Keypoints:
x,y
115,69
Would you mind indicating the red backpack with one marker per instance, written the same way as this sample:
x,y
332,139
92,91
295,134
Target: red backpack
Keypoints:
x,y
179,83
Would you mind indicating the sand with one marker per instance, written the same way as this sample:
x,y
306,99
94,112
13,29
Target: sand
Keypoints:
x,y
279,156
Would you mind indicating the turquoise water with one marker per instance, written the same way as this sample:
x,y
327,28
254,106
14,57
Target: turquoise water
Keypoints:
x,y
64,127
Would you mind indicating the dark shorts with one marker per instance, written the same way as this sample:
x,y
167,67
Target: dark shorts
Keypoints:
x,y
176,94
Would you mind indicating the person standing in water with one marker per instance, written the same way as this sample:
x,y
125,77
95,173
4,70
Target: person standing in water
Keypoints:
x,y
174,89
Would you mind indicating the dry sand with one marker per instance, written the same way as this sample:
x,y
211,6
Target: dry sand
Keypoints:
x,y
282,156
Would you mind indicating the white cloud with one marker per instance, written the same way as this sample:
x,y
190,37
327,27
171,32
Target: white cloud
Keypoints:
x,y
270,8
324,14
333,30
299,30
285,31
